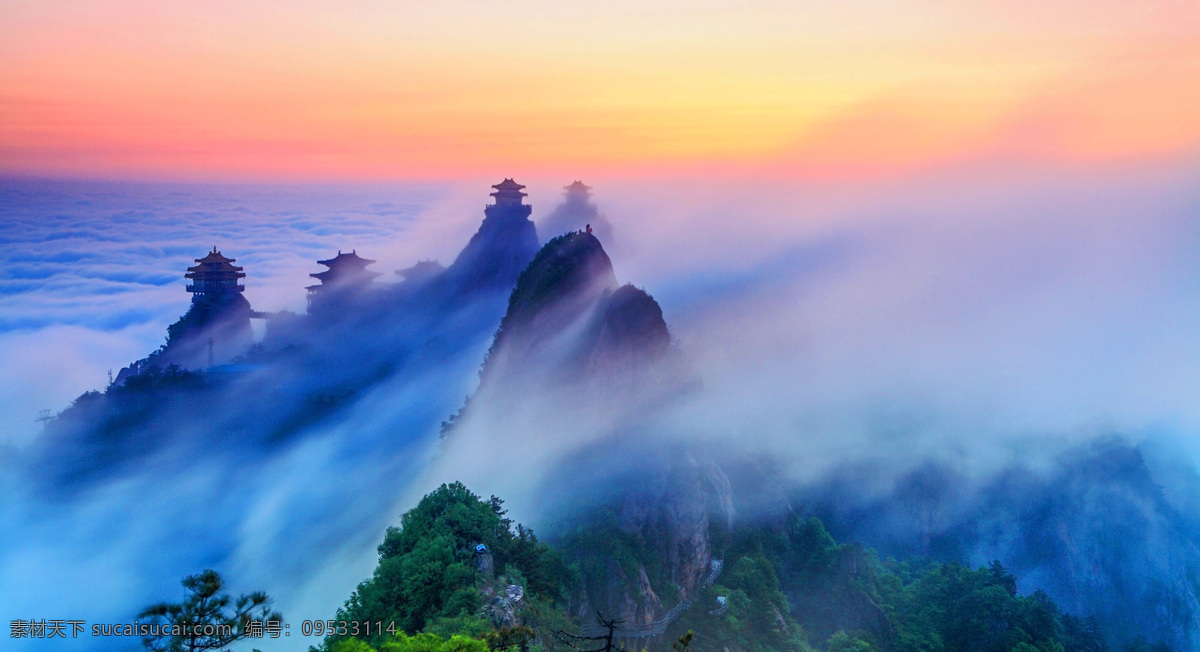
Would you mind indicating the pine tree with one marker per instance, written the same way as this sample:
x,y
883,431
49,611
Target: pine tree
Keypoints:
x,y
207,619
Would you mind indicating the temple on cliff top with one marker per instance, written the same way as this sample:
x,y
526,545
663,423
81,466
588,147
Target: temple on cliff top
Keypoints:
x,y
508,193
214,278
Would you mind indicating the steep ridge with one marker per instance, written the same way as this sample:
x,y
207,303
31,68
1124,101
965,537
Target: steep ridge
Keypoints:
x,y
307,368
571,271
572,333
567,314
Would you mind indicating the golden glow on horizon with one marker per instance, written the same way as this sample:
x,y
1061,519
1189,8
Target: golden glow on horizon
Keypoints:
x,y
368,90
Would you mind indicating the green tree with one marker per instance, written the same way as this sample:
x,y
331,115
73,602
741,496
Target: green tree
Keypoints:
x,y
206,619
843,642
402,642
504,638
756,616
430,573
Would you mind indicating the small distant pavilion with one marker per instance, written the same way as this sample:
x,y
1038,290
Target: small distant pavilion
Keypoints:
x,y
578,191
345,271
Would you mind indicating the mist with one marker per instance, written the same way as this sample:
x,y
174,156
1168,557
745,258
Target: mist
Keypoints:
x,y
890,323
963,320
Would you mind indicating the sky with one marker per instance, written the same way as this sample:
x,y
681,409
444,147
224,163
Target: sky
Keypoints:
x,y
373,90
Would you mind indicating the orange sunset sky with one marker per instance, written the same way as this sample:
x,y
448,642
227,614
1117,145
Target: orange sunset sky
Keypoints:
x,y
377,90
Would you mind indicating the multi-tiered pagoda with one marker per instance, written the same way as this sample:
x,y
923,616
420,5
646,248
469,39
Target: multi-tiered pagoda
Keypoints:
x,y
578,192
214,278
508,207
508,193
346,272
216,328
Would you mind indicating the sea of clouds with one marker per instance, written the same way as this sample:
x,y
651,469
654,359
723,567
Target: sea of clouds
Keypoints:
x,y
953,315
93,271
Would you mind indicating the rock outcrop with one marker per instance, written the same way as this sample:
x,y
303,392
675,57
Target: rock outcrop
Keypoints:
x,y
647,546
568,319
573,333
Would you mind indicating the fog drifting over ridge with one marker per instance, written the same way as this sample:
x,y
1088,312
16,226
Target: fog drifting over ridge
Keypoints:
x,y
968,320
1025,311
931,316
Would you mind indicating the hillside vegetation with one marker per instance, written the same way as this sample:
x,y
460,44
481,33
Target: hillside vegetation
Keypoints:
x,y
784,589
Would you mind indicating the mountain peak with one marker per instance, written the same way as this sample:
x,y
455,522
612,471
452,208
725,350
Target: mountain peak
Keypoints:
x,y
570,267
568,318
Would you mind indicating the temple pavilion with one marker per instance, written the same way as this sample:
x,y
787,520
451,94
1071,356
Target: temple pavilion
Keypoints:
x,y
508,193
345,271
578,191
214,277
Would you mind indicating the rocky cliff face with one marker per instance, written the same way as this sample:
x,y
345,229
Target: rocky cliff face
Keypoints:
x,y
568,319
650,547
628,329
674,512
560,286
573,333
